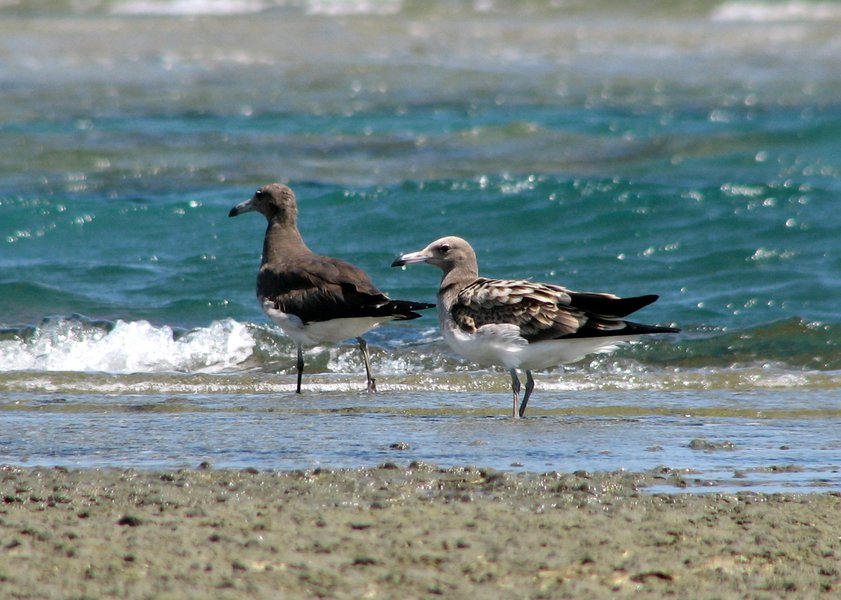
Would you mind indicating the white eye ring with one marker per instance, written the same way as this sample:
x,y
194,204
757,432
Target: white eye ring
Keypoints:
x,y
444,247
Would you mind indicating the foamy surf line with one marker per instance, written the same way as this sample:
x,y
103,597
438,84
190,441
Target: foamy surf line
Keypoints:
x,y
80,345
189,7
127,347
239,357
245,7
424,387
765,12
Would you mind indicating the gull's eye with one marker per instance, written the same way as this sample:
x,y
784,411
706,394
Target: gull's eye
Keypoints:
x,y
444,248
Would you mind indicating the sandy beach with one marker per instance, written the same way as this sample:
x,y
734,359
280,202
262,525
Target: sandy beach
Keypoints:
x,y
413,531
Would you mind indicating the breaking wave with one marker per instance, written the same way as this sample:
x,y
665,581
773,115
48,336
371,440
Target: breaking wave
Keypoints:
x,y
77,344
786,353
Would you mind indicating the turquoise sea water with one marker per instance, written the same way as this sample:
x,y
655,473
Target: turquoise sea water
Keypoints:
x,y
691,150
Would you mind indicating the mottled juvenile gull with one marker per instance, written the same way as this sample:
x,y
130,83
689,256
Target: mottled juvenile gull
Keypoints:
x,y
519,324
312,298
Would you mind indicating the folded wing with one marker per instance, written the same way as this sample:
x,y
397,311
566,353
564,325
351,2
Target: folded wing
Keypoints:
x,y
545,311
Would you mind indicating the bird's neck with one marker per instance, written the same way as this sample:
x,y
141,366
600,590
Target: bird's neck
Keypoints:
x,y
453,282
282,241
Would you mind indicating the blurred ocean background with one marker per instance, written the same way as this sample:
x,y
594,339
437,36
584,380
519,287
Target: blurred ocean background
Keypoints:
x,y
687,149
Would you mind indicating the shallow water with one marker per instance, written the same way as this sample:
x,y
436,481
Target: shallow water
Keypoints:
x,y
769,440
690,150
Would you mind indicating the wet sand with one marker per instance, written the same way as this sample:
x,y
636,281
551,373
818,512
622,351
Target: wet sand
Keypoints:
x,y
405,532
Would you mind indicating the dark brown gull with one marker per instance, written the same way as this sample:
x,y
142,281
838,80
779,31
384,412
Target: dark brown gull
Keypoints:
x,y
519,324
315,299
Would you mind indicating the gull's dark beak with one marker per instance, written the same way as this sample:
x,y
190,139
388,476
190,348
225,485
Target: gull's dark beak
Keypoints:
x,y
243,207
410,258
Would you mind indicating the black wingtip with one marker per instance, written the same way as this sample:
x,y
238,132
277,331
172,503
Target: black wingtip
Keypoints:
x,y
233,212
600,304
640,329
404,310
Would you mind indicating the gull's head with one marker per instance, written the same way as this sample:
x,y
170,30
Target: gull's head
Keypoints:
x,y
446,254
274,201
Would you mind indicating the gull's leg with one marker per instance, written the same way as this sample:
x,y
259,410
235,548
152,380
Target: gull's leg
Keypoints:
x,y
372,383
300,366
515,387
529,388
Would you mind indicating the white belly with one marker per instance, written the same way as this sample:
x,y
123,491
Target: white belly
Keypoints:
x,y
502,345
550,353
319,332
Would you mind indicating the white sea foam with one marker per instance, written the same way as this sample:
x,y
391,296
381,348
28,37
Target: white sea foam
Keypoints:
x,y
335,8
129,347
189,7
759,12
239,7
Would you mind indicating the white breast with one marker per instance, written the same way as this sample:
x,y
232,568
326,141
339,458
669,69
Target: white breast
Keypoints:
x,y
489,345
